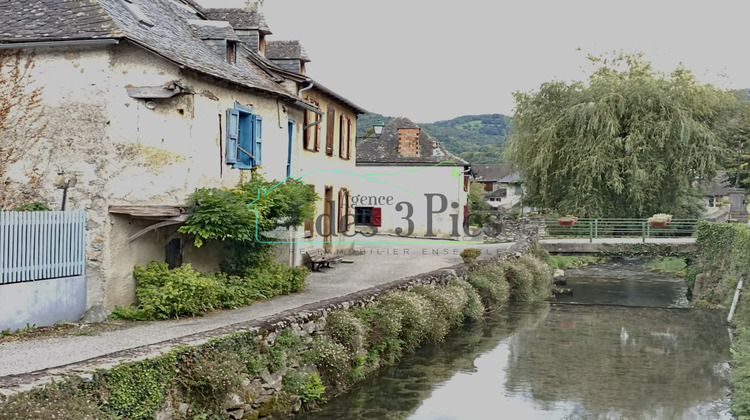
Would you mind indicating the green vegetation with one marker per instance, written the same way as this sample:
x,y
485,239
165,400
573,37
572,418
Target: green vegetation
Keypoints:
x,y
476,138
353,344
233,216
629,143
470,254
35,206
721,259
163,293
563,262
672,265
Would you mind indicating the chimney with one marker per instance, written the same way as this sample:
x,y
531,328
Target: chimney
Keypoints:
x,y
408,142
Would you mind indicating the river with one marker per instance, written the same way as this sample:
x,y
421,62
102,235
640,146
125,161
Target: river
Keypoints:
x,y
623,346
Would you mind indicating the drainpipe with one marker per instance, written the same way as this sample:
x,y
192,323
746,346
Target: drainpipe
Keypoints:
x,y
309,107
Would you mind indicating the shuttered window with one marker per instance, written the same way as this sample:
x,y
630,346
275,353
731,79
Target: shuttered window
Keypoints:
x,y
244,138
330,130
310,223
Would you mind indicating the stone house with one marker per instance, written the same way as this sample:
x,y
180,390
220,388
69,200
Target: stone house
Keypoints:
x,y
143,101
502,184
410,184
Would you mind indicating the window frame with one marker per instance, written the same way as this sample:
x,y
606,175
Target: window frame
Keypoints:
x,y
244,139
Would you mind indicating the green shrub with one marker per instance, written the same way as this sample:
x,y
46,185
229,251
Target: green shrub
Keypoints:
x,y
415,312
314,390
672,265
332,360
137,390
384,337
35,206
471,253
491,283
448,305
521,281
163,293
55,401
309,389
474,309
563,262
208,379
537,251
344,328
541,278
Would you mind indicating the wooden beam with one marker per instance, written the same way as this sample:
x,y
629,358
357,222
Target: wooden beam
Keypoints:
x,y
148,211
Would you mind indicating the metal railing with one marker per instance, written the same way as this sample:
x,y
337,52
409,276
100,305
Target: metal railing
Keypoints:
x,y
618,228
42,245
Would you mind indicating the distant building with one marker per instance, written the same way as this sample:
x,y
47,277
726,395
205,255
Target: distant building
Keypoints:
x,y
410,184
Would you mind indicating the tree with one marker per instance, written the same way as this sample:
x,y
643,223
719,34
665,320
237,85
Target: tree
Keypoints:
x,y
629,143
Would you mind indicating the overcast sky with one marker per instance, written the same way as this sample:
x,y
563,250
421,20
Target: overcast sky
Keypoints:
x,y
436,60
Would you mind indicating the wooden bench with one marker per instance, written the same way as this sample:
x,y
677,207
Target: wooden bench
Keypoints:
x,y
319,258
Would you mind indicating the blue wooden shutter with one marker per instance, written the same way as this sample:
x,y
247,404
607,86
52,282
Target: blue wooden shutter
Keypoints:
x,y
233,134
258,139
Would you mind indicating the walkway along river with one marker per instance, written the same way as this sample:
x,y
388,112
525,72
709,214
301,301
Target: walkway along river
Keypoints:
x,y
624,346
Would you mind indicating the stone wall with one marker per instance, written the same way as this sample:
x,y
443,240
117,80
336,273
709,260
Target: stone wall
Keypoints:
x,y
253,396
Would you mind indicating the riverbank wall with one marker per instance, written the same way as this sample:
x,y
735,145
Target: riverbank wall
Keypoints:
x,y
721,259
294,360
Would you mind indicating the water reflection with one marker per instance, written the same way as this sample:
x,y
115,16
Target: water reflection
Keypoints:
x,y
560,362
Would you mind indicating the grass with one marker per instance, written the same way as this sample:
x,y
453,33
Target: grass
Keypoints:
x,y
673,265
563,262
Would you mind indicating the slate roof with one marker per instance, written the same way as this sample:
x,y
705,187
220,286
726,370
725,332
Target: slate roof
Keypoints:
x,y
239,18
54,20
500,193
170,37
383,149
514,178
719,186
491,173
213,29
286,50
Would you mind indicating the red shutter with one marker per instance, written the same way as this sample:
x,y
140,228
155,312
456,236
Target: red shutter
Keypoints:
x,y
376,216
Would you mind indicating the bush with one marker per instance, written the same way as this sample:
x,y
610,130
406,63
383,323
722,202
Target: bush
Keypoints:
x,y
520,280
163,293
332,360
491,283
384,337
471,253
210,379
344,328
56,401
542,278
448,304
474,309
415,312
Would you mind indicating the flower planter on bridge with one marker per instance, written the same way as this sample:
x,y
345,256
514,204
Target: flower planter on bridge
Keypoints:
x,y
658,223
567,221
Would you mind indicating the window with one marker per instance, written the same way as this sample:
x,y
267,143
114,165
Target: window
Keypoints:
x,y
370,216
345,139
231,52
244,138
311,137
330,130
310,223
488,186
344,221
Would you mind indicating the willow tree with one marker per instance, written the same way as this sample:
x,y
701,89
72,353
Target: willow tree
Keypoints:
x,y
630,142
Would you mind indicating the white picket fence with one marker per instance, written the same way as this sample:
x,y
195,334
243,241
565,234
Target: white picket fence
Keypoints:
x,y
40,245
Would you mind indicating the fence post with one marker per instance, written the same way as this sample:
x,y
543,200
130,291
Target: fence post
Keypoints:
x,y
596,228
591,232
643,232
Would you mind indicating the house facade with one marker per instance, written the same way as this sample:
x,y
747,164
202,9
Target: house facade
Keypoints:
x,y
140,103
410,185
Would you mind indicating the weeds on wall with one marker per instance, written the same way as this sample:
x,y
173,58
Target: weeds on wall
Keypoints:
x,y
21,127
353,345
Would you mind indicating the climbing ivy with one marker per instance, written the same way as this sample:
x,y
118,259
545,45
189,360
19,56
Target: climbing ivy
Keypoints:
x,y
136,390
